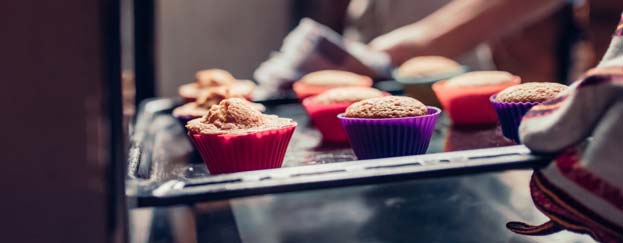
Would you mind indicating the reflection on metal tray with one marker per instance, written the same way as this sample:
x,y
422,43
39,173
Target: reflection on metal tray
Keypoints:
x,y
164,169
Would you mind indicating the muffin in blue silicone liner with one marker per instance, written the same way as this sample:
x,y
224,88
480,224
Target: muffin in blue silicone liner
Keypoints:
x,y
510,114
373,138
512,103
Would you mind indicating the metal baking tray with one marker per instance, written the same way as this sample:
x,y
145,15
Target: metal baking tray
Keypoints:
x,y
163,168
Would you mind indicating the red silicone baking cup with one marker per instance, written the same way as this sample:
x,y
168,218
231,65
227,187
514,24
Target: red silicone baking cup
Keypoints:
x,y
470,105
304,90
324,118
227,153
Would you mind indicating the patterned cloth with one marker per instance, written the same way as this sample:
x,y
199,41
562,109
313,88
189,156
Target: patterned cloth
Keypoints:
x,y
582,189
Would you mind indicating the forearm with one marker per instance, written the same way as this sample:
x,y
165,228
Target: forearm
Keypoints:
x,y
461,25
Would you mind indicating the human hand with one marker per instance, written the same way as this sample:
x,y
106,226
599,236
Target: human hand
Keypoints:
x,y
581,190
312,47
402,44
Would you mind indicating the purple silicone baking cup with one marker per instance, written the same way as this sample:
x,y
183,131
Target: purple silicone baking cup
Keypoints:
x,y
390,137
510,115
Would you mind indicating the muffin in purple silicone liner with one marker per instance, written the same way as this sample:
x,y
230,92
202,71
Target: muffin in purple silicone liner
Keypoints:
x,y
389,126
512,103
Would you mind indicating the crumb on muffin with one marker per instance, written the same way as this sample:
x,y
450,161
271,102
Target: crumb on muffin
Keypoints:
x,y
530,92
346,95
480,78
213,77
235,115
387,107
427,66
334,78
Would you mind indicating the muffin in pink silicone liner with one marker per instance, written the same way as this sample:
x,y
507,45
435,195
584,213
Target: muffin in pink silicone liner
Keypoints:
x,y
317,82
512,103
389,126
466,97
206,99
210,78
324,108
236,137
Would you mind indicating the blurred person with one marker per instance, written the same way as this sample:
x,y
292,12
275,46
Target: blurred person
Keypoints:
x,y
526,36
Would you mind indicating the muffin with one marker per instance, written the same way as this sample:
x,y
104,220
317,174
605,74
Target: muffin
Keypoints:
x,y
234,136
466,97
427,66
512,103
205,100
324,108
317,82
530,92
418,74
389,126
480,78
211,78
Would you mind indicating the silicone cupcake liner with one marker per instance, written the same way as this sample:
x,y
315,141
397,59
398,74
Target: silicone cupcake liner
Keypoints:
x,y
304,90
510,114
380,138
420,88
227,153
470,105
324,118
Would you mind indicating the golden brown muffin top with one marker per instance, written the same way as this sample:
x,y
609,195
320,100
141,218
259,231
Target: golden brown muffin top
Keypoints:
x,y
427,66
530,92
387,107
480,78
213,77
346,95
235,115
333,78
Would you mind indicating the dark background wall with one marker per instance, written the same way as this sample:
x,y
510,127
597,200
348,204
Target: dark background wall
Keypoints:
x,y
60,77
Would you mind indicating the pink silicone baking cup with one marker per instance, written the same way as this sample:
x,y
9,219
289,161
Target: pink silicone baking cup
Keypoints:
x,y
470,105
324,118
303,90
227,153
